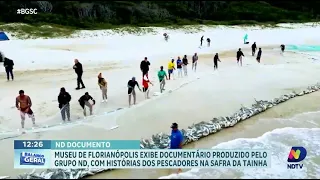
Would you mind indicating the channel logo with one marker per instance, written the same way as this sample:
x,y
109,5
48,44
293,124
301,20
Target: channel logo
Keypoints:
x,y
28,158
296,154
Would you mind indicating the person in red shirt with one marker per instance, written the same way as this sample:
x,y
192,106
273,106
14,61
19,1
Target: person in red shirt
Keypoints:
x,y
145,84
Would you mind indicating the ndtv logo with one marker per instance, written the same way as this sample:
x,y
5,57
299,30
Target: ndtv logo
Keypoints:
x,y
296,155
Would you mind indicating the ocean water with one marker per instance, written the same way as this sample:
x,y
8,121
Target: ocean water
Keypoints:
x,y
305,48
279,142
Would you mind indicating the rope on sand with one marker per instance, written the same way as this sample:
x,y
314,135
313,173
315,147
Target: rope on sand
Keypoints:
x,y
193,133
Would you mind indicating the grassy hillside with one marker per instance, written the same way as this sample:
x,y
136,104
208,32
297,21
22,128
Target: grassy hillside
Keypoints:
x,y
62,18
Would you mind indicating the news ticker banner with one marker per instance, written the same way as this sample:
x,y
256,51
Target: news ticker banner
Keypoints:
x,y
121,154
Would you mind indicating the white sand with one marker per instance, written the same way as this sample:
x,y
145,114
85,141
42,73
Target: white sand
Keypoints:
x,y
204,94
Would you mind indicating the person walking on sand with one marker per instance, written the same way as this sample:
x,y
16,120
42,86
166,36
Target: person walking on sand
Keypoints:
x,y
161,75
144,66
8,65
208,41
179,67
103,87
23,104
201,41
194,62
79,71
64,99
171,68
185,65
282,46
132,83
254,48
239,56
176,139
84,101
145,86
215,61
259,55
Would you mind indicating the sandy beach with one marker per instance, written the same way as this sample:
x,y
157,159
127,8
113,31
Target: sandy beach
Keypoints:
x,y
199,97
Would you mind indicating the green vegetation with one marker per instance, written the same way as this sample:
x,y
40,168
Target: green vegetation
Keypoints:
x,y
63,18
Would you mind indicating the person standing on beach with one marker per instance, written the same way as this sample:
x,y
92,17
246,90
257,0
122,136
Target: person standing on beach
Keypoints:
x,y
259,55
23,104
144,66
215,61
79,71
84,101
185,65
64,99
103,87
161,75
176,139
239,56
8,65
201,41
179,67
145,88
1,57
208,41
132,83
282,46
254,48
194,62
171,68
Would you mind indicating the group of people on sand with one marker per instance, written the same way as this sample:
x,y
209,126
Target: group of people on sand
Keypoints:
x,y
181,65
24,103
253,51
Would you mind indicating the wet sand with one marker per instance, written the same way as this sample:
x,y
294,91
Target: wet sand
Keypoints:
x,y
250,128
212,94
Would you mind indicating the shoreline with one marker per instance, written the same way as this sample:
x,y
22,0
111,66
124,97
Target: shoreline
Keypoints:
x,y
127,30
277,115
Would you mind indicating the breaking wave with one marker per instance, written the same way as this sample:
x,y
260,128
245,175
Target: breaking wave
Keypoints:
x,y
279,142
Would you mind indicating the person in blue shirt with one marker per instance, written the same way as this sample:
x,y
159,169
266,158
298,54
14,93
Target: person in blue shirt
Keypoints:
x,y
176,138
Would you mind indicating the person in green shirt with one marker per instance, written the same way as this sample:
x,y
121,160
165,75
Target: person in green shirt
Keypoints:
x,y
161,75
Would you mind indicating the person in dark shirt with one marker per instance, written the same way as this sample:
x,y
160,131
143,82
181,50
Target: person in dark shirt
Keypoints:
x,y
166,36
259,55
239,56
201,40
79,71
254,48
185,65
132,83
8,65
215,61
1,57
144,66
282,46
64,99
84,101
179,66
208,41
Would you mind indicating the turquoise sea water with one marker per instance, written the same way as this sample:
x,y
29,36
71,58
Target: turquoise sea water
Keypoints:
x,y
313,48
